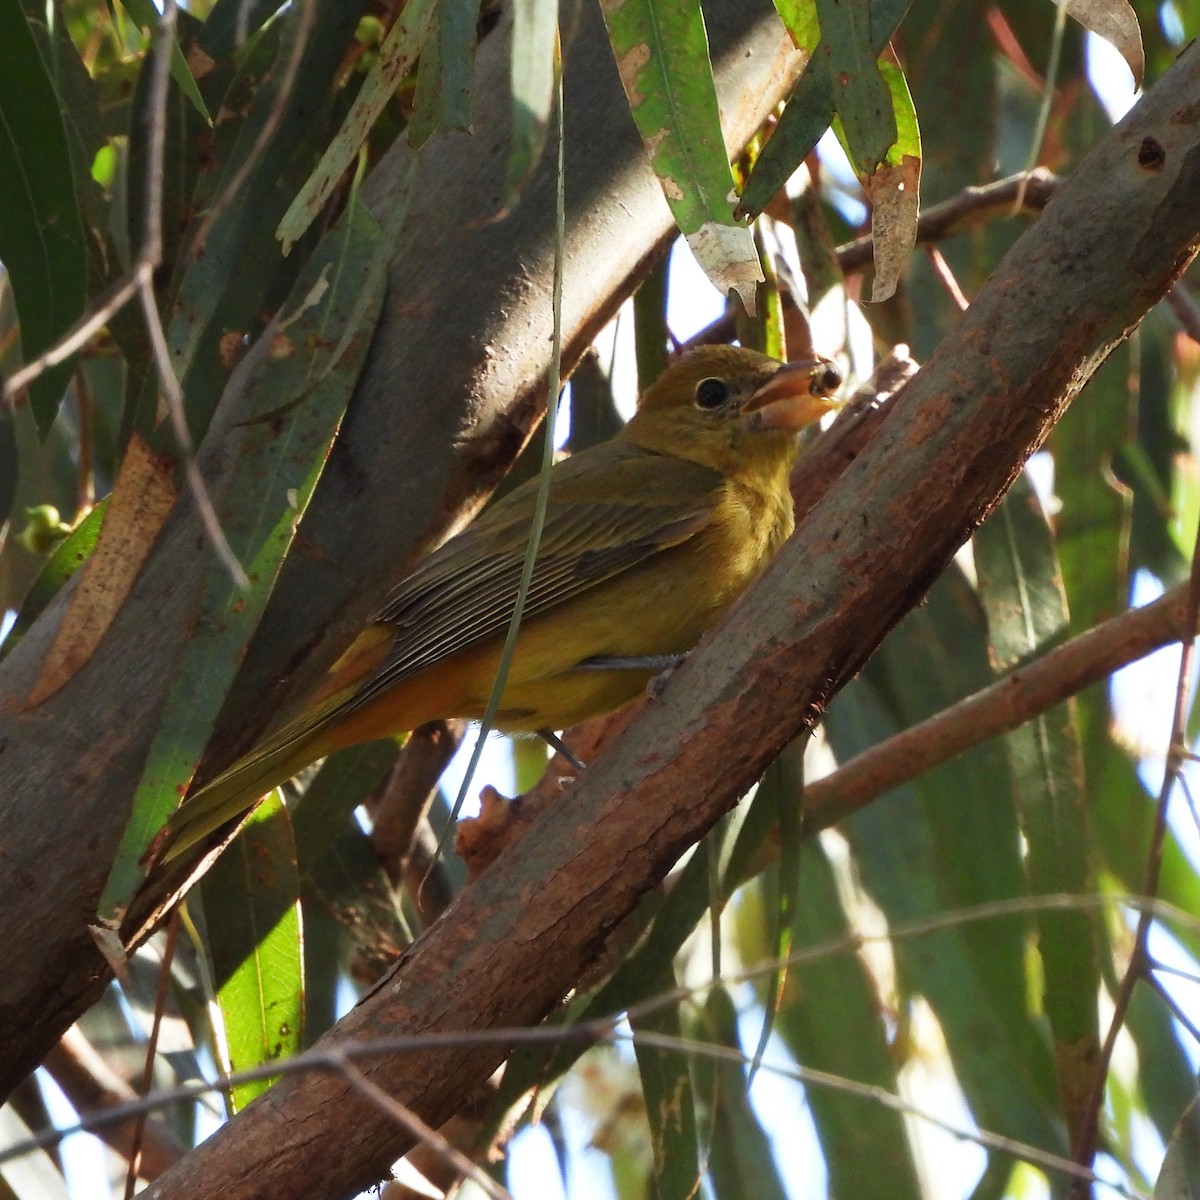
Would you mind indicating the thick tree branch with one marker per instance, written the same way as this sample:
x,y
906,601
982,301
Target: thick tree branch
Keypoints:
x,y
1105,249
452,385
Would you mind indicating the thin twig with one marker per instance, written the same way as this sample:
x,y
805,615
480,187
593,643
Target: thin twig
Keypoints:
x,y
139,281
1170,1001
104,308
92,1086
396,810
605,1029
972,206
1085,1148
160,1004
810,1076
304,22
942,270
1187,311
405,1117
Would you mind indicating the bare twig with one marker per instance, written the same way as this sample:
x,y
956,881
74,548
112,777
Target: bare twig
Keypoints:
x,y
91,1086
139,282
972,206
942,269
342,1060
306,14
426,1134
160,1003
999,708
103,309
1085,1148
1187,311
397,810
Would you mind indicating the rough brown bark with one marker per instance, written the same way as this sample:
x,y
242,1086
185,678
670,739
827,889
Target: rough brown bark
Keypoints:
x,y
452,386
1105,249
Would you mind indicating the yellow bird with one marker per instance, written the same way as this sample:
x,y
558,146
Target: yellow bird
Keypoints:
x,y
648,538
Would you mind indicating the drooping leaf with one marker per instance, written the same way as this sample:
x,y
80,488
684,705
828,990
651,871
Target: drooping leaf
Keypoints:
x,y
951,840
1179,1178
314,359
737,1150
227,288
534,65
1117,23
670,1103
830,1020
251,902
41,230
399,51
893,187
146,16
661,49
860,95
1026,610
810,109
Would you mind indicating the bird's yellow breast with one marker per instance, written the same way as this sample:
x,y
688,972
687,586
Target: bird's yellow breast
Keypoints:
x,y
658,608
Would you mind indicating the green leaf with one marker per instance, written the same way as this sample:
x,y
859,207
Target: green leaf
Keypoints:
x,y
41,230
231,23
860,95
316,353
799,18
830,1020
146,16
338,865
252,911
737,1149
670,1104
456,38
1026,609
66,559
1093,521
661,49
83,122
227,292
1165,1075
534,69
810,108
781,786
949,841
355,890
893,187
399,51
1164,513
671,921
335,791
1179,1178
442,99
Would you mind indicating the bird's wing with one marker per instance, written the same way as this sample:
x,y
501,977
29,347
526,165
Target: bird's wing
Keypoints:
x,y
603,518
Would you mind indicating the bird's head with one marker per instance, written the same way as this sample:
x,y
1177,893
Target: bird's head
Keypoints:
x,y
733,409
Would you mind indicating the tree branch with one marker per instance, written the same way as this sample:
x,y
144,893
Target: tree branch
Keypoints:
x,y
1105,249
454,381
1004,706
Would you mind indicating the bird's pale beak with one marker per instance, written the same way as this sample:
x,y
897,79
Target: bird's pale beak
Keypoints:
x,y
798,394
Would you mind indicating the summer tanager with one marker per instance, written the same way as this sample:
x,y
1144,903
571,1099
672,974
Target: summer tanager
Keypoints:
x,y
648,538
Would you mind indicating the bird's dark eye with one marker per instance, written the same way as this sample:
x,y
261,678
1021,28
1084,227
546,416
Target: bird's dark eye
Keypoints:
x,y
829,381
711,393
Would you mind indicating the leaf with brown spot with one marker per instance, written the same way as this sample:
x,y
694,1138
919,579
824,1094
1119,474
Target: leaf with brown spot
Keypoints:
x,y
140,501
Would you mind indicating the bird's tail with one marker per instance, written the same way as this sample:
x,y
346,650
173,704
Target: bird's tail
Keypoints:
x,y
238,788
310,736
